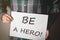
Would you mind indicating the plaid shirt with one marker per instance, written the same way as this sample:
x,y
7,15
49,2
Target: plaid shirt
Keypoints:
x,y
33,6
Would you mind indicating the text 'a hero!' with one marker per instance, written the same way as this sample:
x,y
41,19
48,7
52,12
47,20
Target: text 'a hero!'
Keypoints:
x,y
28,31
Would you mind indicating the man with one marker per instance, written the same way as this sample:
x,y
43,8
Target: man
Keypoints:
x,y
32,8
42,8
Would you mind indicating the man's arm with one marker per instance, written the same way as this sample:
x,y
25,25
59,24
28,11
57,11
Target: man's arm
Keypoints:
x,y
53,11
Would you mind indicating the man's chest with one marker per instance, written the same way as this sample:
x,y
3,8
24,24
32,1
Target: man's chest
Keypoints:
x,y
31,6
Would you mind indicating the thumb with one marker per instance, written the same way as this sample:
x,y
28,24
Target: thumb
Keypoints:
x,y
47,34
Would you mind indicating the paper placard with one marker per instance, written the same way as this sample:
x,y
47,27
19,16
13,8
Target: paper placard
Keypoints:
x,y
28,25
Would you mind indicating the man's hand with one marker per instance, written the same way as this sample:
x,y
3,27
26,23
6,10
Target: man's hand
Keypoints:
x,y
6,18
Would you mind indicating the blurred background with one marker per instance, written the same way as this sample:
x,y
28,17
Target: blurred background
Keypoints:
x,y
4,28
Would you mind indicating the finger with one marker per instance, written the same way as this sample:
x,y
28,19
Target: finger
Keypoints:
x,y
47,34
8,16
6,19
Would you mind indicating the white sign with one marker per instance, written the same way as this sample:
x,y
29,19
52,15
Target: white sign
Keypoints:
x,y
28,25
